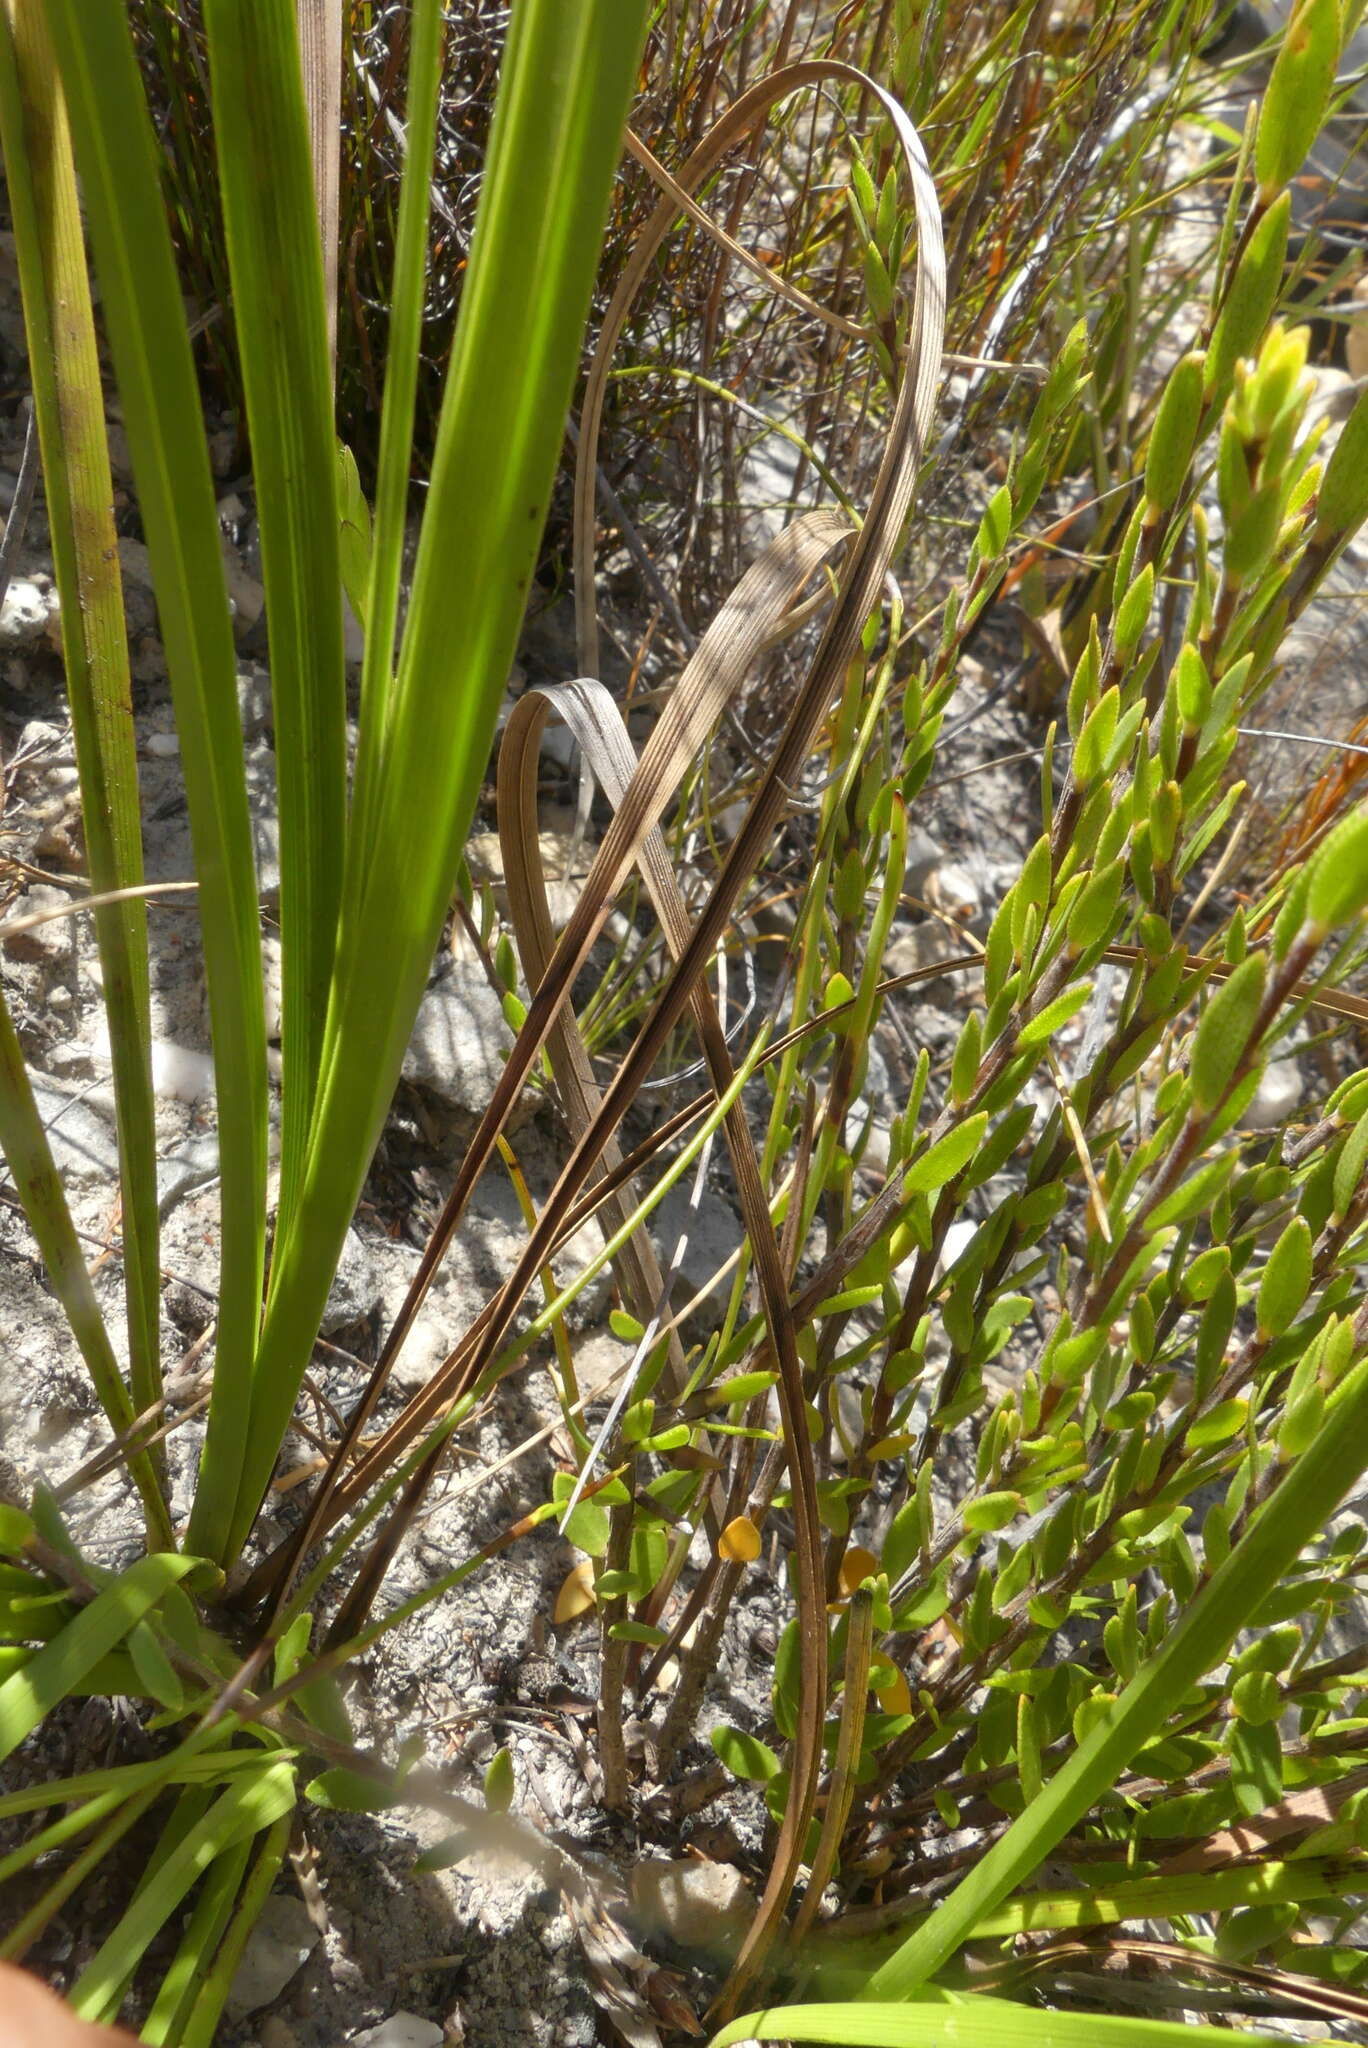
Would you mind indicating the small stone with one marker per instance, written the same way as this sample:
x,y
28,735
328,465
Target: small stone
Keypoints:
x,y
74,1058
356,1289
769,930
711,1234
179,1074
222,456
120,461
191,1309
245,594
37,740
574,1255
147,660
558,744
254,700
1275,1098
280,1944
768,474
704,1906
401,2030
1334,390
953,890
277,2033
61,842
140,604
549,645
459,1038
426,1347
924,856
877,1085
135,562
31,604
872,1106
42,942
923,945
162,746
564,864
79,1122
957,1238
135,566
192,1166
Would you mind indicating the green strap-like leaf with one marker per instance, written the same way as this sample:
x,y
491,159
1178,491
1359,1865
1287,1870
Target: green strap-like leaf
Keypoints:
x,y
212,1994
208,1922
386,563
145,322
970,2023
245,1808
271,223
119,1781
567,76
69,403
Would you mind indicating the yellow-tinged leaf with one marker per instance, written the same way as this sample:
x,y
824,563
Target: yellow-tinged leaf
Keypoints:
x,y
888,1685
499,1782
856,1566
889,1447
576,1595
739,1542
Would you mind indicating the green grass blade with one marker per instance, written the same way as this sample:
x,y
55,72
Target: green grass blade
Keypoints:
x,y
51,1673
69,404
275,262
1161,1897
145,322
1295,1514
567,76
843,1965
121,1780
24,1143
244,1809
213,1909
974,2023
396,423
74,1821
202,2021
115,1672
